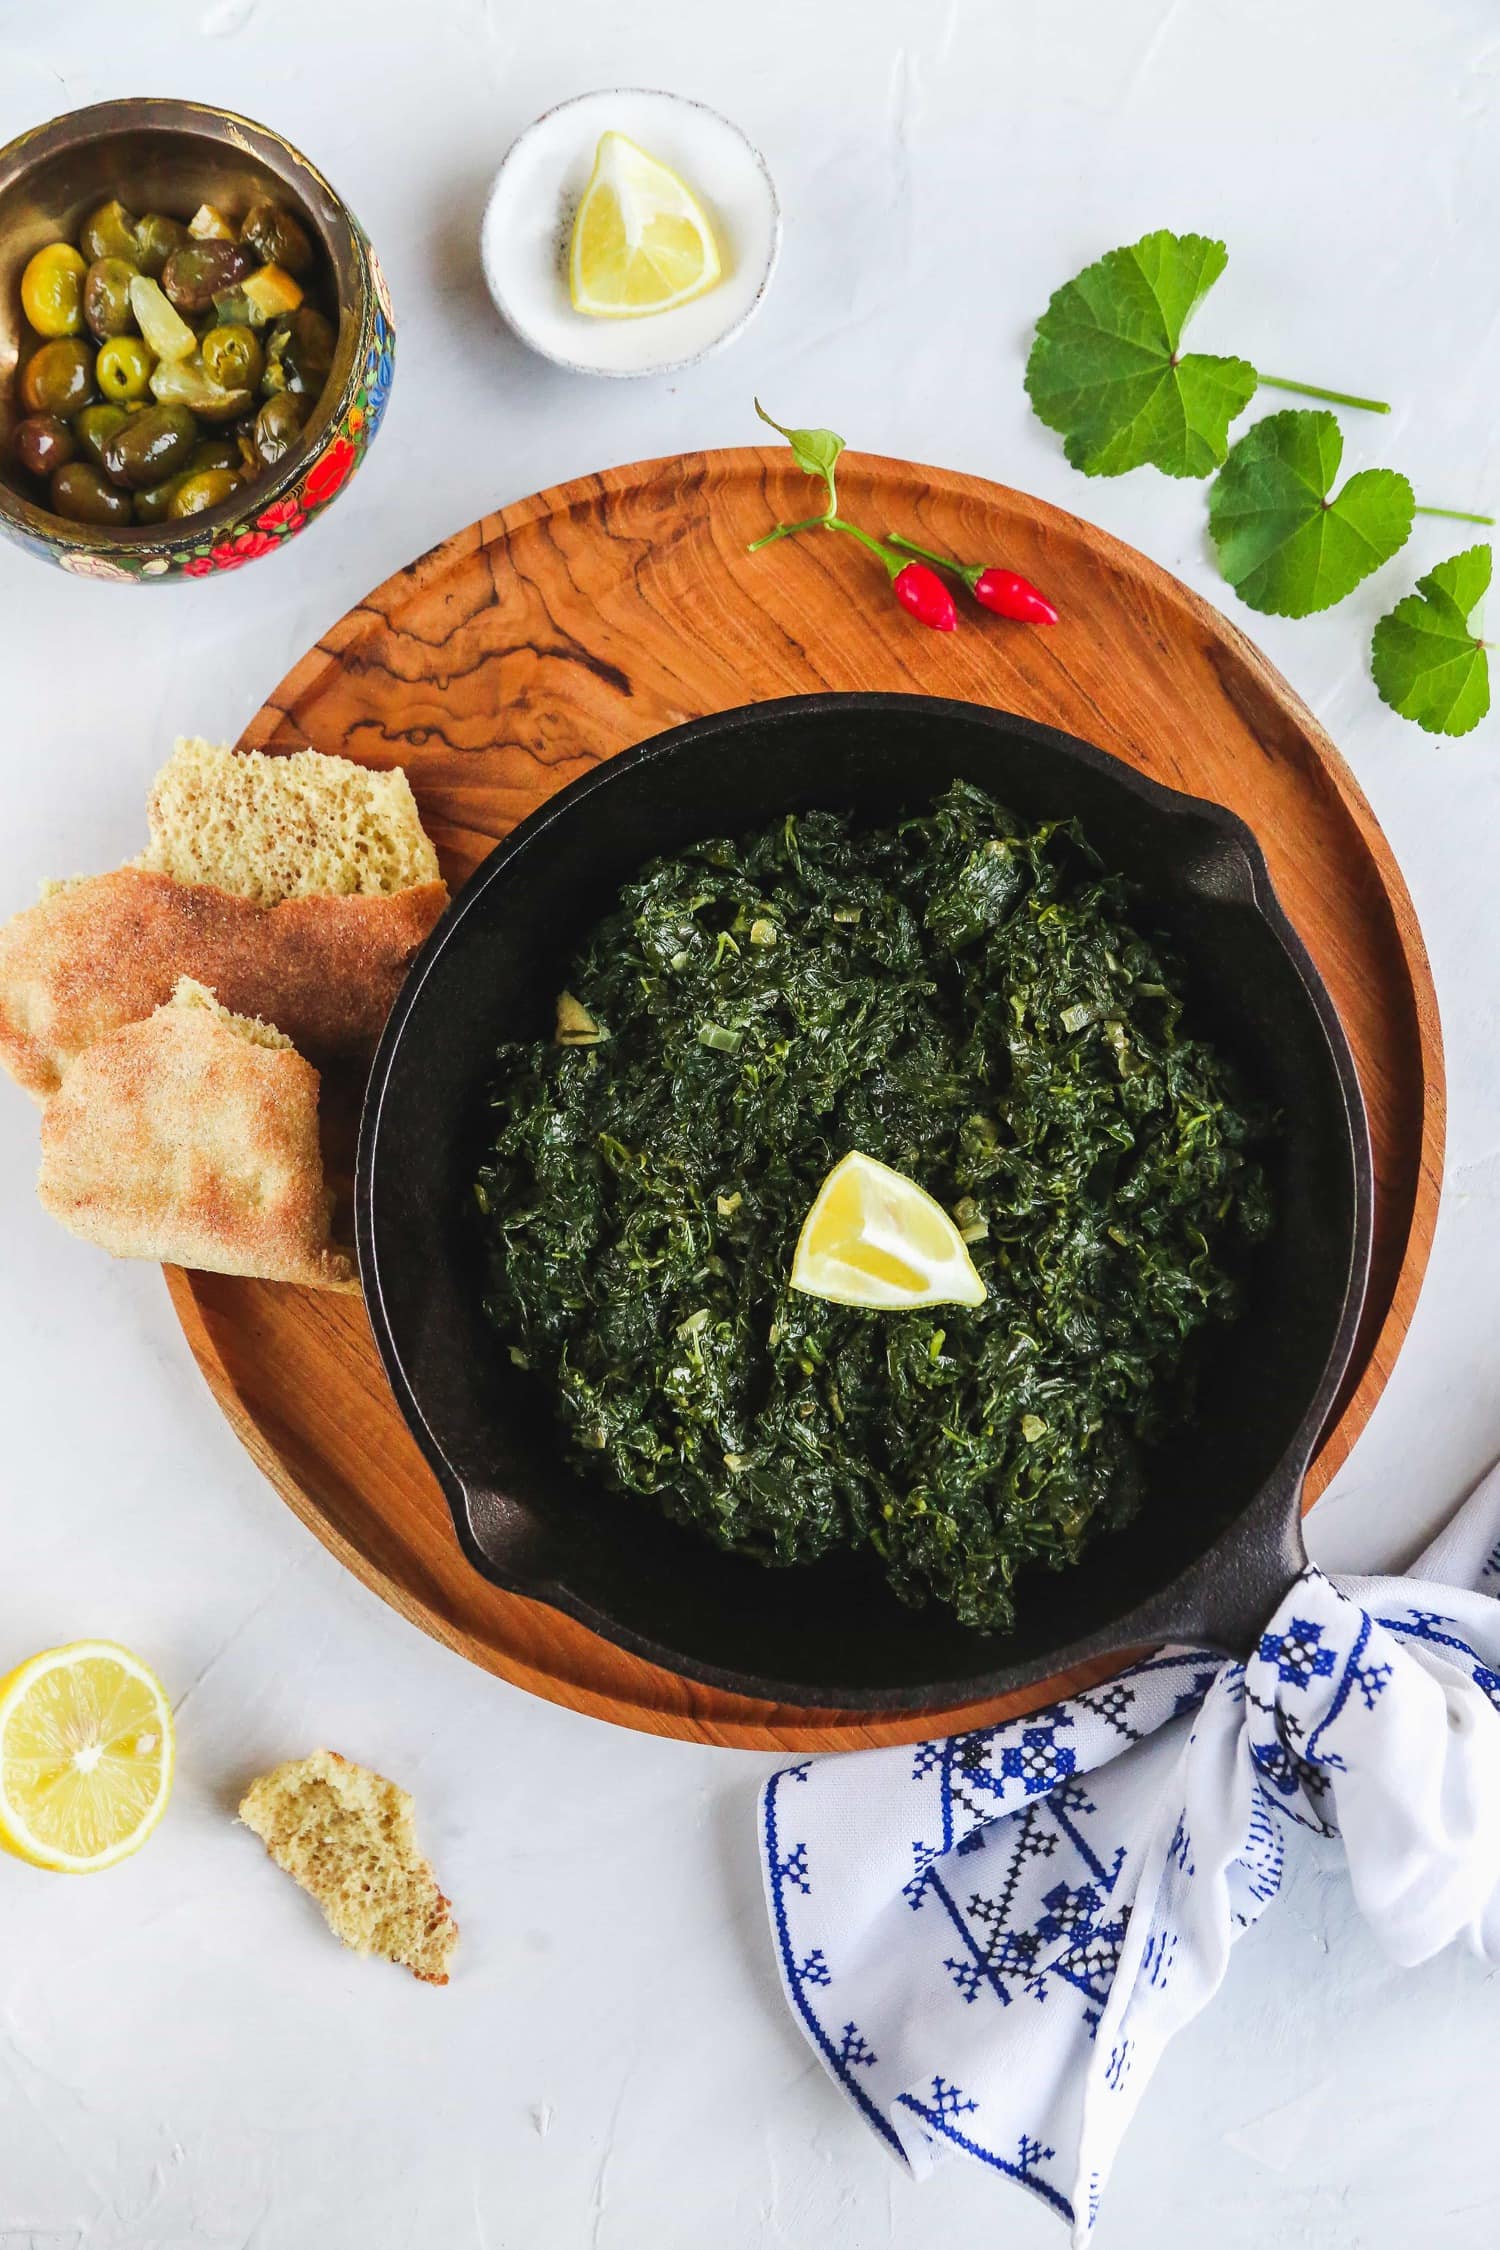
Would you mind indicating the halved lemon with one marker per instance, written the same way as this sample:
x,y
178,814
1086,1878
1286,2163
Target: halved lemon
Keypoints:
x,y
876,1239
86,1757
641,241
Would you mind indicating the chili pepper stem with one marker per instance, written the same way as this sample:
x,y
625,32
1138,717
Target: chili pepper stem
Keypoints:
x,y
784,531
892,562
1454,515
968,572
1316,390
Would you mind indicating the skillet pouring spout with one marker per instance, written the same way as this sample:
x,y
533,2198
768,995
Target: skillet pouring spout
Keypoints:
x,y
1217,1539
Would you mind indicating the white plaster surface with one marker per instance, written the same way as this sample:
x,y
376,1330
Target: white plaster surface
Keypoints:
x,y
185,2058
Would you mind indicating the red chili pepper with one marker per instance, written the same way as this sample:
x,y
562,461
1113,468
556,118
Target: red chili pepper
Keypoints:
x,y
923,593
1006,592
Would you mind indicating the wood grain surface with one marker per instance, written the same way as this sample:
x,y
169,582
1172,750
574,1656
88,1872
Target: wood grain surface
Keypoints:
x,y
553,634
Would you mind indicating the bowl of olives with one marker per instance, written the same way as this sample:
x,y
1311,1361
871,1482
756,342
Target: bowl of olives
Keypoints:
x,y
196,342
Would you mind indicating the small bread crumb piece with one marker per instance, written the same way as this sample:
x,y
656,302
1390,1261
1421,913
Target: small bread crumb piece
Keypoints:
x,y
349,1838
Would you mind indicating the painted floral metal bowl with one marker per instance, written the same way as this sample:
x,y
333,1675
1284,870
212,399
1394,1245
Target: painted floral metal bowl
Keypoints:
x,y
171,156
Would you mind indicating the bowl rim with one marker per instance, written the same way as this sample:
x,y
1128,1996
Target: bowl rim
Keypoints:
x,y
98,120
515,320
1228,1589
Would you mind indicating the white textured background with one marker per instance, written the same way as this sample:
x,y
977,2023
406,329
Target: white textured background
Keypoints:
x,y
185,2058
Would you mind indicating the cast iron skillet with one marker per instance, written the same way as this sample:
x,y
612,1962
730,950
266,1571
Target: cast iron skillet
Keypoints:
x,y
1219,1538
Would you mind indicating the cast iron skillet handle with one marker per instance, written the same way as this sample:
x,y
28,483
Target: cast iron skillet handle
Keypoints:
x,y
1229,1595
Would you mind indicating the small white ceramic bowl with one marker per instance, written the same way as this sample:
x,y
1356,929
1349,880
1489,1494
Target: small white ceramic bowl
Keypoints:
x,y
529,220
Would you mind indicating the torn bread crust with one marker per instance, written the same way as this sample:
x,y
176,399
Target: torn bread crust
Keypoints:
x,y
348,1837
107,950
192,1139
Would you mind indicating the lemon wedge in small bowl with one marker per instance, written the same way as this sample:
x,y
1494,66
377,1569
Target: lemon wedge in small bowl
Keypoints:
x,y
642,242
873,1238
87,1754
683,223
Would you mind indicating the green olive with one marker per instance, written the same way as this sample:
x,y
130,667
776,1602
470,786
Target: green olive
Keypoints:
x,y
275,237
123,368
299,353
233,357
203,489
278,426
108,232
219,451
52,290
94,426
106,297
194,275
83,494
58,378
41,444
156,237
151,446
151,504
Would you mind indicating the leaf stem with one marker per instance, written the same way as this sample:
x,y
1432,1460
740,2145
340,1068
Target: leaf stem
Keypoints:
x,y
1315,390
1454,515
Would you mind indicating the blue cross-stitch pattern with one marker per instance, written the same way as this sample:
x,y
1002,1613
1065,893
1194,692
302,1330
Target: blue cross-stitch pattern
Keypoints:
x,y
1296,1653
855,2050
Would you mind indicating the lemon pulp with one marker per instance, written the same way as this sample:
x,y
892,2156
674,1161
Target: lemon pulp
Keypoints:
x,y
874,1238
642,241
86,1757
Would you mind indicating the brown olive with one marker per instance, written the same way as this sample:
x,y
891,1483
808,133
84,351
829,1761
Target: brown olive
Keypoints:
x,y
193,276
279,424
94,426
42,443
151,446
299,353
156,237
58,378
200,490
233,356
275,237
106,297
108,232
82,493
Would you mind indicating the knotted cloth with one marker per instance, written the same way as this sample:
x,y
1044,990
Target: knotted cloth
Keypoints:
x,y
990,1940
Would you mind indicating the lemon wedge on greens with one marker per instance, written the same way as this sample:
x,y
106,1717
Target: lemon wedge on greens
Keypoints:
x,y
874,1238
86,1757
642,241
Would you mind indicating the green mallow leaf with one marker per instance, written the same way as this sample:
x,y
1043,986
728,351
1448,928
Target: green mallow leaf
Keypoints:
x,y
1427,661
1105,370
1283,544
815,452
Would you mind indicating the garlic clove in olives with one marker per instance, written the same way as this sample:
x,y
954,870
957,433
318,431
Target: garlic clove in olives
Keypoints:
x,y
208,224
187,382
162,325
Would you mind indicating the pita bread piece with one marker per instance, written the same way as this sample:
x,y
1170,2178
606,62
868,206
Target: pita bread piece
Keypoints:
x,y
192,1138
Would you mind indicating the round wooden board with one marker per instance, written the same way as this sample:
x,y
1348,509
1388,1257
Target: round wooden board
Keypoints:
x,y
547,637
